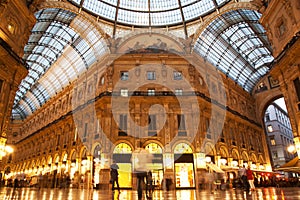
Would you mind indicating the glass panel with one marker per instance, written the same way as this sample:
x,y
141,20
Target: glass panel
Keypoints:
x,y
161,5
233,40
183,148
198,9
100,8
141,5
153,148
122,148
130,17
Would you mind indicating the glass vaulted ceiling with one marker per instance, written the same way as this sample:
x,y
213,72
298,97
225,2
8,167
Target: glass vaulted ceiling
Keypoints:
x,y
55,55
237,45
153,13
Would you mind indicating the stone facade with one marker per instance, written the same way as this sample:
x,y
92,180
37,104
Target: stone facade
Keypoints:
x,y
81,124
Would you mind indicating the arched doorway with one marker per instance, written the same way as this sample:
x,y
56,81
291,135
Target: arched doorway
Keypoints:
x,y
157,163
122,155
73,167
184,166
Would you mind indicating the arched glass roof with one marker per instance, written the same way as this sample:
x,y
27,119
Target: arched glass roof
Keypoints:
x,y
153,13
62,45
55,55
237,45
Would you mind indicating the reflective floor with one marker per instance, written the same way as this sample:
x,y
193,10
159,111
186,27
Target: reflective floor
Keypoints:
x,y
82,194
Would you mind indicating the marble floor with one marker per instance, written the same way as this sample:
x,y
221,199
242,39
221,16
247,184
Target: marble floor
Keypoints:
x,y
83,194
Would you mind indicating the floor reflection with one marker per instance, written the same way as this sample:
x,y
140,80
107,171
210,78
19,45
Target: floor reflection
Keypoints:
x,y
80,194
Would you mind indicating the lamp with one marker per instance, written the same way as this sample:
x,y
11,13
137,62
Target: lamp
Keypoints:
x,y
291,149
4,149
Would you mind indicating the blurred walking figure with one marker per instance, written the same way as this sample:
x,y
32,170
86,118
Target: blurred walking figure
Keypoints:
x,y
243,175
141,160
211,178
114,175
250,178
149,188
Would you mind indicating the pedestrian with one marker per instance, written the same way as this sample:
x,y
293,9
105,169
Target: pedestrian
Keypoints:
x,y
250,178
114,175
243,176
149,188
140,159
211,179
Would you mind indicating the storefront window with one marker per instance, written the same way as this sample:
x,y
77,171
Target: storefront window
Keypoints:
x,y
184,166
184,174
156,166
122,156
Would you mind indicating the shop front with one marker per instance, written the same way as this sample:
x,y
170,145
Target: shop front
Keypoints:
x,y
122,155
184,166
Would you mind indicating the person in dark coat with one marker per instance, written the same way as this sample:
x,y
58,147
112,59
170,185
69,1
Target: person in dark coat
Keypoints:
x,y
114,175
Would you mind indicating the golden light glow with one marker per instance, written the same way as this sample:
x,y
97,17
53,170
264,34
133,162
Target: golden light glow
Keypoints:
x,y
291,148
11,28
9,149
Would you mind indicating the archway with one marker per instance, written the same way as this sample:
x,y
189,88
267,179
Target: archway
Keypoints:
x,y
184,166
122,155
279,134
97,166
157,163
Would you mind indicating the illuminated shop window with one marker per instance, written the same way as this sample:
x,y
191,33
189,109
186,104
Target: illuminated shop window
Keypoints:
x,y
122,148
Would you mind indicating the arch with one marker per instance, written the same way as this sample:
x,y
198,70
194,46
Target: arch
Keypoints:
x,y
143,40
72,155
83,151
123,147
81,32
96,153
43,161
253,158
28,164
223,10
183,147
38,163
49,160
264,99
261,159
24,166
209,149
224,152
238,61
56,159
245,156
235,154
89,20
95,145
32,165
154,147
64,156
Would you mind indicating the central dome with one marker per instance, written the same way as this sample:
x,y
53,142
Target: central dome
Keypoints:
x,y
155,13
